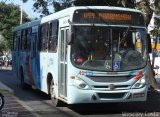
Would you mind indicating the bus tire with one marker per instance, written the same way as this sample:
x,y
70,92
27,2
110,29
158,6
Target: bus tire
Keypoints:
x,y
23,84
55,101
52,93
1,101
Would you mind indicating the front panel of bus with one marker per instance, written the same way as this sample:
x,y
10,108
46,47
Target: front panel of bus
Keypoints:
x,y
108,57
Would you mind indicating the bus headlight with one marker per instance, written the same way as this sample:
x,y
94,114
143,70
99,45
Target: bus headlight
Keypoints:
x,y
140,83
80,83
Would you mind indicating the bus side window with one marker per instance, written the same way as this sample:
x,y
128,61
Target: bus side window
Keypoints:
x,y
28,38
24,41
53,37
43,37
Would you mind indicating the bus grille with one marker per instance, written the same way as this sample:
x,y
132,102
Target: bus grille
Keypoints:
x,y
110,78
111,95
116,86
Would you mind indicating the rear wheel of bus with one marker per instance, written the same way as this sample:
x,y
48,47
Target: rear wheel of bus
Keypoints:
x,y
1,101
23,84
53,94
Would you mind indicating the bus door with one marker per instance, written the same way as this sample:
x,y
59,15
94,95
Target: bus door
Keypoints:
x,y
63,62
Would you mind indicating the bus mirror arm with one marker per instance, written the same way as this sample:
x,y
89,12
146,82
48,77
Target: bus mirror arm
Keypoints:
x,y
70,38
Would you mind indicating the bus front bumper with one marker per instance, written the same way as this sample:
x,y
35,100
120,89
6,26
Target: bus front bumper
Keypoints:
x,y
77,96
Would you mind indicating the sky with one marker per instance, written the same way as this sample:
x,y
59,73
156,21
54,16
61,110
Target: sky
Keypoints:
x,y
27,7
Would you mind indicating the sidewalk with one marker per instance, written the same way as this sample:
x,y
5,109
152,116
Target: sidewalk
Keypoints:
x,y
13,107
5,90
7,68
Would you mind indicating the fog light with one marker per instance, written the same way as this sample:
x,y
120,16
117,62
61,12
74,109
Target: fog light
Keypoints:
x,y
137,85
79,83
82,85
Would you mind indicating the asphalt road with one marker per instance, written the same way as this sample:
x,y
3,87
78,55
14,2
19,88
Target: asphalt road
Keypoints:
x,y
39,103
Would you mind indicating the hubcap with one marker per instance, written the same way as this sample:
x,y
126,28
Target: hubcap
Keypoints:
x,y
0,101
52,92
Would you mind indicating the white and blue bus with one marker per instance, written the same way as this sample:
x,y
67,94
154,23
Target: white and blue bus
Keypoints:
x,y
84,55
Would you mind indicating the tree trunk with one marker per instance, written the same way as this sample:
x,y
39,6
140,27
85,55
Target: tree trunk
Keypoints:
x,y
144,6
151,76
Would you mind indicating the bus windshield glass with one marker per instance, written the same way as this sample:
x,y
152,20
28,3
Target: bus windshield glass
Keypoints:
x,y
108,49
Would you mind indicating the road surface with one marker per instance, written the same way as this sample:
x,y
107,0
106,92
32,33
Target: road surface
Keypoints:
x,y
39,103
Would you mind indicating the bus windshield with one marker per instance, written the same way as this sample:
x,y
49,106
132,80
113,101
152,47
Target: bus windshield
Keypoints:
x,y
108,48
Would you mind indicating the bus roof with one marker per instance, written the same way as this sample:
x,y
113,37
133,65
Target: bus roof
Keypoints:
x,y
27,25
69,11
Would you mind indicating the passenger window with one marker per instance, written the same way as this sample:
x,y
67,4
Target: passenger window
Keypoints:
x,y
53,37
43,37
28,44
24,41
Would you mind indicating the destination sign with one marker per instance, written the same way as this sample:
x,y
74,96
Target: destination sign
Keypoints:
x,y
108,16
114,17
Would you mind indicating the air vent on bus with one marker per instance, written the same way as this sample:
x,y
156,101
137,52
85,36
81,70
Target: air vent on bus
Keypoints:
x,y
115,87
111,95
110,78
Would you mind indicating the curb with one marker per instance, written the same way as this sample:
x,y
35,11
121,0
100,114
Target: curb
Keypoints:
x,y
6,68
5,89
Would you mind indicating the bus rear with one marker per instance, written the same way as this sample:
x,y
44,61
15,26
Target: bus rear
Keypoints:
x,y
107,56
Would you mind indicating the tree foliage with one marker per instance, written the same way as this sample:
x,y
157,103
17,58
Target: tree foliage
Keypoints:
x,y
9,19
41,5
3,44
144,5
62,5
120,3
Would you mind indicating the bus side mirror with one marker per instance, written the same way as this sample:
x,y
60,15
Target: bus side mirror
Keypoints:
x,y
149,44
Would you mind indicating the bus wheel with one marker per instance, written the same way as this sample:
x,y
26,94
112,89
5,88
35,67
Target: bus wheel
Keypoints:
x,y
23,84
1,101
56,102
53,94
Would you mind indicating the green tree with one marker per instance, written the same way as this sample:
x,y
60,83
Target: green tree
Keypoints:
x,y
120,3
62,5
41,5
9,19
3,44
